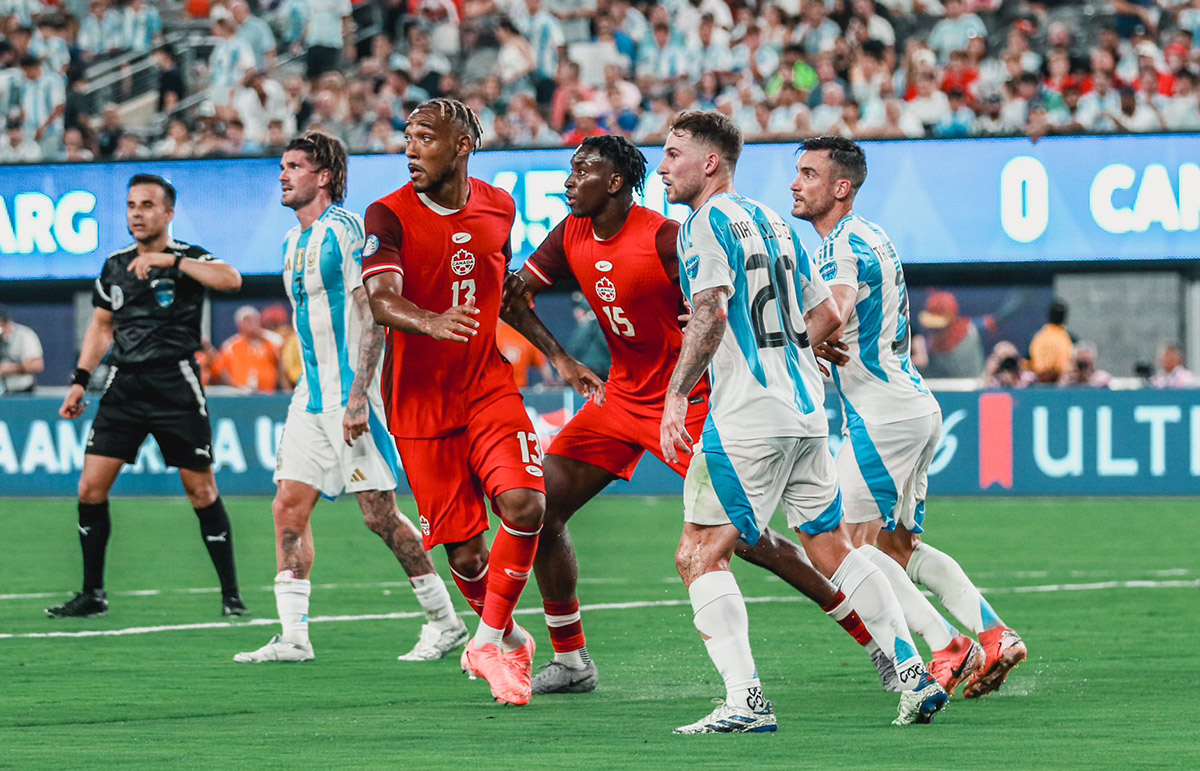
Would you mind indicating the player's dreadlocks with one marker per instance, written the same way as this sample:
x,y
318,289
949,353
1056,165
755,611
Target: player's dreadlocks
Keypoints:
x,y
626,159
325,152
456,112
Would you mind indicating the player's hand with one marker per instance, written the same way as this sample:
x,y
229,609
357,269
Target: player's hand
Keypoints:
x,y
582,379
73,405
514,289
141,265
684,318
832,351
673,435
458,324
354,424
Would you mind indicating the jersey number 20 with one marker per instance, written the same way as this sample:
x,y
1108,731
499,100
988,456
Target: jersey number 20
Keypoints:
x,y
779,282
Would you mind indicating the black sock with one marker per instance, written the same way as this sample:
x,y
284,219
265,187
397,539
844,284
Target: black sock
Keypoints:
x,y
94,527
218,539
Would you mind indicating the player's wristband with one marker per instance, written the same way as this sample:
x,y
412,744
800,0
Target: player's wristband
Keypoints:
x,y
82,378
178,260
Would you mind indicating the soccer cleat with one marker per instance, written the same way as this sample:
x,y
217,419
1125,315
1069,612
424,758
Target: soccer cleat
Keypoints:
x,y
556,677
920,705
277,650
957,662
466,666
887,671
233,606
1003,650
90,604
727,719
490,664
435,643
520,661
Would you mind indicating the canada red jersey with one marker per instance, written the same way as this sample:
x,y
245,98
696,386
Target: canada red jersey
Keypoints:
x,y
447,258
631,281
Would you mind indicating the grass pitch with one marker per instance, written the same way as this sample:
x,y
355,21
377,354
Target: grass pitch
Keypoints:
x,y
1104,593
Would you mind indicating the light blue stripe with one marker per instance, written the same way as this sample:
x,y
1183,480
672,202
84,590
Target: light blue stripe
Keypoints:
x,y
902,320
919,518
829,519
869,310
870,464
728,487
384,443
308,348
335,290
739,311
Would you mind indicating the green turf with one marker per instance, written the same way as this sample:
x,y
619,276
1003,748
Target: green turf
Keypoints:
x,y
1110,682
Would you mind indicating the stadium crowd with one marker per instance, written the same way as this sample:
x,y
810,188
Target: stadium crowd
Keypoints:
x,y
551,72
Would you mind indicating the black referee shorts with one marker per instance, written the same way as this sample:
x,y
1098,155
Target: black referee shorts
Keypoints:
x,y
165,400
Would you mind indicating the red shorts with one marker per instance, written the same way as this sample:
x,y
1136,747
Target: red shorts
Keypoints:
x,y
614,436
450,476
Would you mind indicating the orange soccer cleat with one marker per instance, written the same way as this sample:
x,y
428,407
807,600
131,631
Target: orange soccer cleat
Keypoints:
x,y
520,661
957,662
489,663
1003,649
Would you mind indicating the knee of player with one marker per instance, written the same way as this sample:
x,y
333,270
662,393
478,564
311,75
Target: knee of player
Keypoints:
x,y
468,562
202,493
289,514
523,508
90,492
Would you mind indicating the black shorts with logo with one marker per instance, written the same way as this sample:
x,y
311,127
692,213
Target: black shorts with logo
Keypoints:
x,y
164,399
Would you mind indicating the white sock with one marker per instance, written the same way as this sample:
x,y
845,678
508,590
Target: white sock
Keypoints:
x,y
943,576
921,617
719,612
291,600
514,639
872,597
576,659
435,599
488,635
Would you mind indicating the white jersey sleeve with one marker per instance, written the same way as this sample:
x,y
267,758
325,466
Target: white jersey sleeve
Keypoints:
x,y
813,289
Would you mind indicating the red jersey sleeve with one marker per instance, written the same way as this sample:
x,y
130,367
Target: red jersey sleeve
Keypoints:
x,y
381,251
664,242
549,262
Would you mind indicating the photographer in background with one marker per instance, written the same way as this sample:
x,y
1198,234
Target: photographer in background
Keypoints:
x,y
1003,368
20,356
1083,370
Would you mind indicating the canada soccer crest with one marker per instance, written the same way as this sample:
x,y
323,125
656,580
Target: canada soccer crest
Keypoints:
x,y
606,290
462,263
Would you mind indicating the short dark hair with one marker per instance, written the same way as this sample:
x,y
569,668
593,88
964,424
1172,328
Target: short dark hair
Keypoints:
x,y
458,113
153,179
846,155
624,155
1058,312
714,128
324,152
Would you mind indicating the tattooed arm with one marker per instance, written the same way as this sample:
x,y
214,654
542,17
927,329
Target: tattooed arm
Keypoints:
x,y
355,424
710,317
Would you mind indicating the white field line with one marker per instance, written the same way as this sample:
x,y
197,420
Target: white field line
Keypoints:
x,y
587,608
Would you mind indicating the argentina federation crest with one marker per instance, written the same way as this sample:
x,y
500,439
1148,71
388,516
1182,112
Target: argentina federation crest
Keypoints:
x,y
164,291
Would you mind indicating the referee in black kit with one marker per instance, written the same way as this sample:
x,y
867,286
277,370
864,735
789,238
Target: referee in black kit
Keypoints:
x,y
148,304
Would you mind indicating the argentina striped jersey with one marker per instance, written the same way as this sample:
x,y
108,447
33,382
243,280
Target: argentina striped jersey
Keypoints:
x,y
880,383
322,266
765,381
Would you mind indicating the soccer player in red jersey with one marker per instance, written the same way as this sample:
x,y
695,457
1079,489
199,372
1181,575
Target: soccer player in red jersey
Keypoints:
x,y
434,264
624,257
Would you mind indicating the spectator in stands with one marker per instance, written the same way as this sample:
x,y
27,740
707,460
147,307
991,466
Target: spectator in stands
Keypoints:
x,y
291,18
18,147
256,33
929,106
1182,112
1171,372
515,61
260,100
177,143
586,116
102,32
1003,368
237,144
952,345
1134,116
545,34
865,24
250,359
1083,370
230,60
277,318
953,32
172,87
142,28
73,149
129,148
110,131
43,102
328,21
817,31
20,356
960,119
55,51
1050,349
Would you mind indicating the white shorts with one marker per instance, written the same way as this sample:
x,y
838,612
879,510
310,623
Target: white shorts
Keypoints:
x,y
313,450
743,482
884,470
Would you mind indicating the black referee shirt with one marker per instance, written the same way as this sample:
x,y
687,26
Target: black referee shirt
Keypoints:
x,y
154,319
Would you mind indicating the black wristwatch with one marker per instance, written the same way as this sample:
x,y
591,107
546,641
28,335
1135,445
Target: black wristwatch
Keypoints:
x,y
178,260
81,378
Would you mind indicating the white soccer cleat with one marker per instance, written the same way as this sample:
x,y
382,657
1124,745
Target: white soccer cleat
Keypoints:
x,y
435,643
726,719
921,705
556,677
277,650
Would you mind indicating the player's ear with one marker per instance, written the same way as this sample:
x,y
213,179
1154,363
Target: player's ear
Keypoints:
x,y
615,183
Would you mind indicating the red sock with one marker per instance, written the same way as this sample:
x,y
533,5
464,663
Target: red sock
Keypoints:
x,y
474,589
509,566
566,627
840,611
